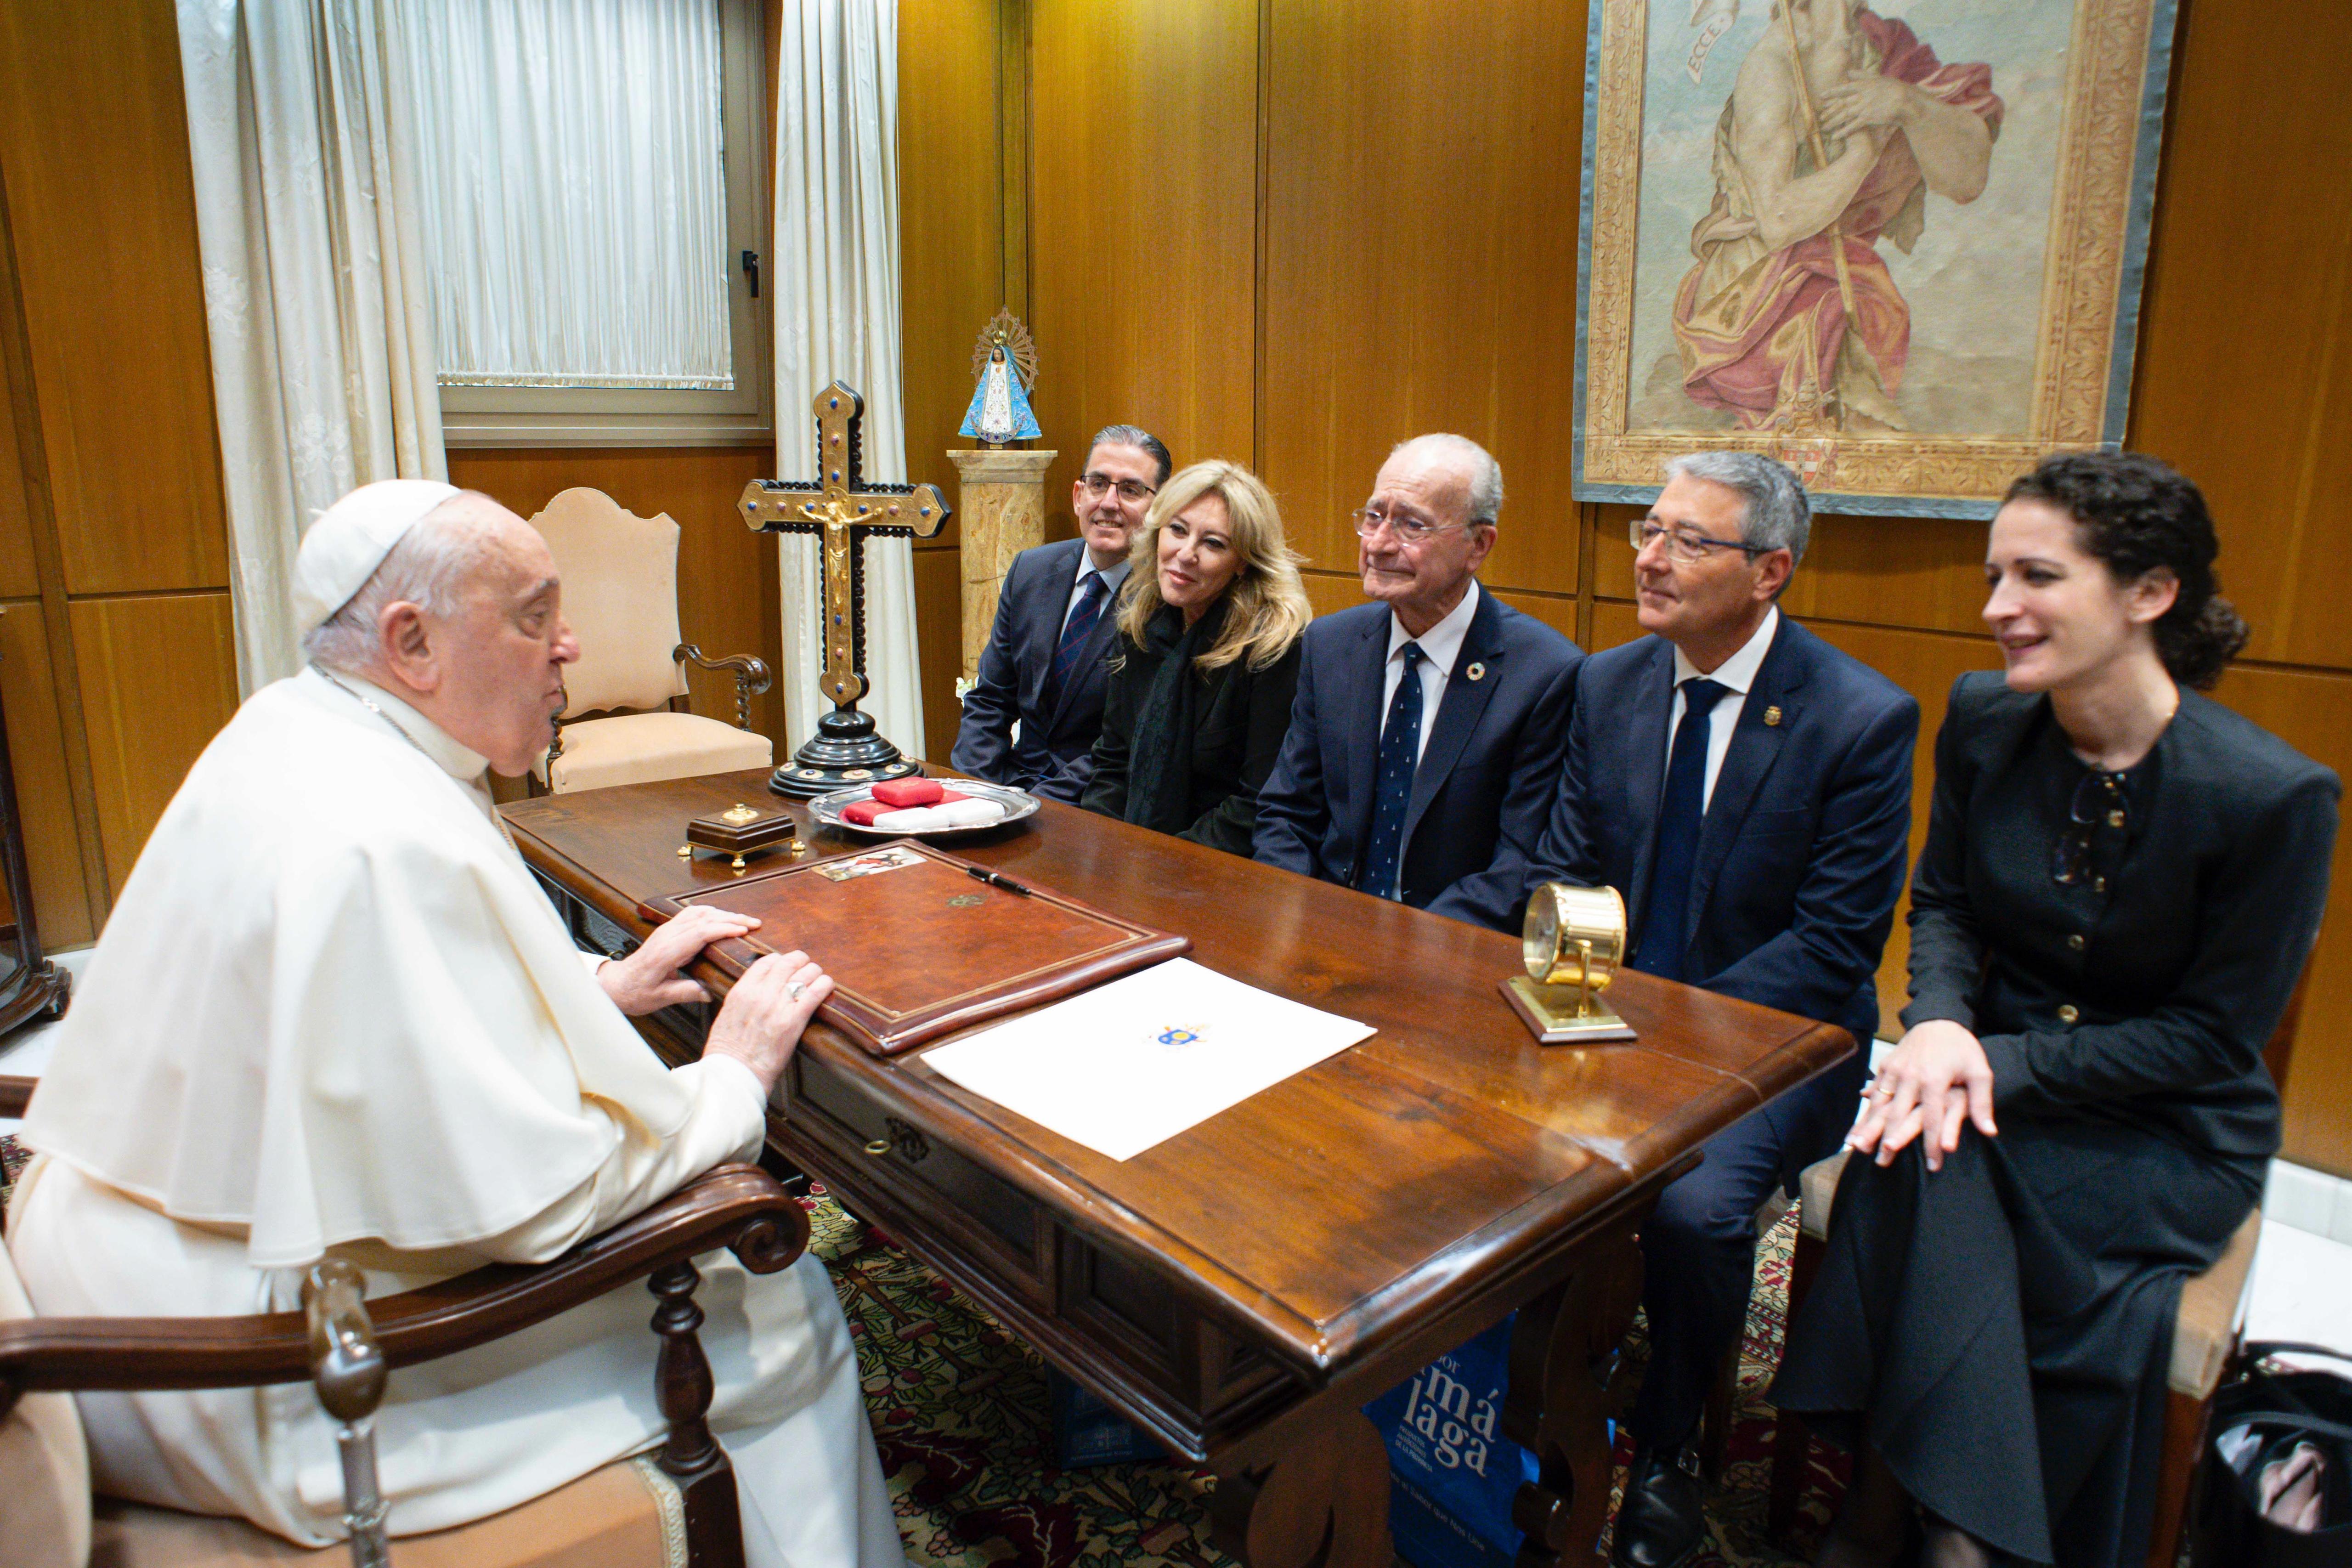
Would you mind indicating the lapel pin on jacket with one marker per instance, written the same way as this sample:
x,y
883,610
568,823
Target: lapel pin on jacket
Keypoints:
x,y
1476,672
1771,717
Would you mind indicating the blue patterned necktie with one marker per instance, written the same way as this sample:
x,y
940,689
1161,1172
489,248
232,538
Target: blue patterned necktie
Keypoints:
x,y
1665,943
1071,649
1392,785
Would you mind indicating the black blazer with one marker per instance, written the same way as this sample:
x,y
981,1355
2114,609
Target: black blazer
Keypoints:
x,y
1239,716
1056,752
1800,855
1484,785
2204,907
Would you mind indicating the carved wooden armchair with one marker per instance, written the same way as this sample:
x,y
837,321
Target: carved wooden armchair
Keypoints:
x,y
673,1509
628,720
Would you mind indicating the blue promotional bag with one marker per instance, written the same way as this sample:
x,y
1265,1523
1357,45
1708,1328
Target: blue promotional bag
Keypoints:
x,y
1451,1473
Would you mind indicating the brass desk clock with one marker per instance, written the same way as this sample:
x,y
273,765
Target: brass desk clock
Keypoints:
x,y
1574,941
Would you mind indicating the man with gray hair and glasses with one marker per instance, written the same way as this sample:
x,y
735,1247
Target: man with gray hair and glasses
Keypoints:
x,y
1425,742
1036,703
1748,788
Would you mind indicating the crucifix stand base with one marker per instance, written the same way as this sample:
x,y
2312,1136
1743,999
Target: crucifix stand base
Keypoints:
x,y
844,752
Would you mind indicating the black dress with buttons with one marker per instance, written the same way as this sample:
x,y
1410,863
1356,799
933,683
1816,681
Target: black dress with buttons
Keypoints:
x,y
2123,945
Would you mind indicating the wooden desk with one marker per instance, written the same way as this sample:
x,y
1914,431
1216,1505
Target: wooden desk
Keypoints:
x,y
1241,1290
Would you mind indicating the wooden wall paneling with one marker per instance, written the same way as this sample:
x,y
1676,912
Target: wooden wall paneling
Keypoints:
x,y
1143,191
1924,664
158,681
20,575
94,148
1557,611
1614,624
939,622
1330,592
950,218
71,812
2242,372
2312,710
726,573
37,750
1421,236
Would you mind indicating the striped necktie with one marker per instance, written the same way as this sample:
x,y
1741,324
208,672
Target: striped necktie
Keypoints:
x,y
1071,650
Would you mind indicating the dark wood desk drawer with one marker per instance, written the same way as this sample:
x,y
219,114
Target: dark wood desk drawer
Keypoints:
x,y
876,1147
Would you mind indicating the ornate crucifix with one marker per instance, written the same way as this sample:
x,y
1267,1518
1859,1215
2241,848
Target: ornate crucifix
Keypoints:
x,y
844,508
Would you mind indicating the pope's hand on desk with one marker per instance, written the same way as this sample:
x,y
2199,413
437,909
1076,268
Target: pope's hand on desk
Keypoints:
x,y
761,1019
1935,1080
649,979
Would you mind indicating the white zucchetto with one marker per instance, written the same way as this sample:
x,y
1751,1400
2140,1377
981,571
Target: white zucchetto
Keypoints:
x,y
350,540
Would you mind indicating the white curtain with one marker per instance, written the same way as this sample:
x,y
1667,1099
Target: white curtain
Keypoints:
x,y
837,241
322,336
545,136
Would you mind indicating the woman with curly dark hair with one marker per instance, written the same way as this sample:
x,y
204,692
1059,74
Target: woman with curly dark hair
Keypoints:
x,y
2121,881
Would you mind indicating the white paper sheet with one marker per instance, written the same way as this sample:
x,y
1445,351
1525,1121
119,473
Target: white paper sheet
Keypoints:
x,y
1133,1063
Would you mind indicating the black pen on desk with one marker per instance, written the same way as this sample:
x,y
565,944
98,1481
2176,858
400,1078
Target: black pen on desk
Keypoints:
x,y
995,879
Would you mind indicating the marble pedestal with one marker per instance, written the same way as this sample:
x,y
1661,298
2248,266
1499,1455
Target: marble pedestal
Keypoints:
x,y
1001,512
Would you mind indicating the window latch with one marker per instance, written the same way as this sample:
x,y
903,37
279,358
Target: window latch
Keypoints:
x,y
752,270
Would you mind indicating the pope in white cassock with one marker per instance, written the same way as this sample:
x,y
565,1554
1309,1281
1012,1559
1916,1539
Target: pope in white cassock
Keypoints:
x,y
332,1012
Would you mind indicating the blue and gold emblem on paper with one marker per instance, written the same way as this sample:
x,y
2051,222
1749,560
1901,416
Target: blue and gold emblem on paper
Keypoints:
x,y
1176,1034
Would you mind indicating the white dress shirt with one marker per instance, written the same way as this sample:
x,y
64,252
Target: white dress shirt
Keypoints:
x,y
1112,576
1738,673
1440,647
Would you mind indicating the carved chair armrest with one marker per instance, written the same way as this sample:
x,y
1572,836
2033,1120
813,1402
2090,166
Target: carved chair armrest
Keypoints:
x,y
15,1093
751,677
739,1207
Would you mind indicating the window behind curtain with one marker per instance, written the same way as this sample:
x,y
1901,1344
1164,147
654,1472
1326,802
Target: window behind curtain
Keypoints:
x,y
582,227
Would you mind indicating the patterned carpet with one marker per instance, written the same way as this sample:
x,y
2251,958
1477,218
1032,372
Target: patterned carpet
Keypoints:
x,y
960,1417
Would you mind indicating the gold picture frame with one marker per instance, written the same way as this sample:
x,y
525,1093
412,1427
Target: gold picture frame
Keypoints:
x,y
2086,159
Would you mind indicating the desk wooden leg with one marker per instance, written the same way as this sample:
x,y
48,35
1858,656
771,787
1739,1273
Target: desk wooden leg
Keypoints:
x,y
1568,1381
1322,1502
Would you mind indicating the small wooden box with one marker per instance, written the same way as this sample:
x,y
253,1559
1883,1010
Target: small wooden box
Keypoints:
x,y
744,830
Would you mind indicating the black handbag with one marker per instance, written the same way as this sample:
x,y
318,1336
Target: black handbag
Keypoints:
x,y
2279,1448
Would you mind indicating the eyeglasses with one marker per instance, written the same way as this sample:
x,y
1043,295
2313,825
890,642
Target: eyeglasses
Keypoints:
x,y
1407,529
1686,545
1133,492
2098,801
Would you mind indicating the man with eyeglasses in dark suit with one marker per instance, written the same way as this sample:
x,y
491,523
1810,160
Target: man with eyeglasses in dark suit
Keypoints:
x,y
1748,788
1424,742
1030,717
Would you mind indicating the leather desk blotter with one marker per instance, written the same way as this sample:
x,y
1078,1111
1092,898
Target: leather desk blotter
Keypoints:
x,y
917,946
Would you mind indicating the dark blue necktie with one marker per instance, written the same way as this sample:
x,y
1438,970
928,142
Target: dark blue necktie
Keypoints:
x,y
1072,648
1392,785
1681,814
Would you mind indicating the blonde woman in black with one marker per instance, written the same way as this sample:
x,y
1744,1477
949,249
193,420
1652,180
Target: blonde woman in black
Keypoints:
x,y
1206,662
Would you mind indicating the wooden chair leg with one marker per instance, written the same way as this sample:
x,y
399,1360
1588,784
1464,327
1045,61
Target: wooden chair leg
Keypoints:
x,y
1791,1437
2184,1441
692,1458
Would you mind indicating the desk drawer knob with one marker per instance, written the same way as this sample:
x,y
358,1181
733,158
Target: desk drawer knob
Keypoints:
x,y
880,1146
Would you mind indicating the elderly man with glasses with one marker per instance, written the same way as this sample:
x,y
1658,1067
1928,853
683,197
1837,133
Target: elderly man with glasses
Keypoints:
x,y
1036,705
1424,744
1748,788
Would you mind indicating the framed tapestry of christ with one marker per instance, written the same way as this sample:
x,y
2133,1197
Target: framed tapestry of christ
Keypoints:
x,y
1901,251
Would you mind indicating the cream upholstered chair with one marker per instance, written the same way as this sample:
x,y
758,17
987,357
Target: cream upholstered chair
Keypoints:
x,y
675,1508
620,594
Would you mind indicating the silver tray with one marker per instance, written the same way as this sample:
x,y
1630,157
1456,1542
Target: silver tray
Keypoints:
x,y
1017,803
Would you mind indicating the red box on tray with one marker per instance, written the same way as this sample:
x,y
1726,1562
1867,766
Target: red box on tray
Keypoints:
x,y
864,812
